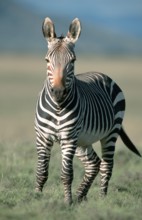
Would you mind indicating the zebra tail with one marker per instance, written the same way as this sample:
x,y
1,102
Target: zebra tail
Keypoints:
x,y
126,140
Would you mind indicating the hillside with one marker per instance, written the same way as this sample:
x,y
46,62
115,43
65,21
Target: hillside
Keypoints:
x,y
21,32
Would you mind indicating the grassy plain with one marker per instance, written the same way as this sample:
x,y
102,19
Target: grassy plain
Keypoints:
x,y
21,78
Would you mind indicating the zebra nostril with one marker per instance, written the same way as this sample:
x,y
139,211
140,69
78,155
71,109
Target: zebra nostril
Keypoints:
x,y
58,94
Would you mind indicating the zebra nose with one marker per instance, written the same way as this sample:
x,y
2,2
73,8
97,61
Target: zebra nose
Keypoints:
x,y
58,94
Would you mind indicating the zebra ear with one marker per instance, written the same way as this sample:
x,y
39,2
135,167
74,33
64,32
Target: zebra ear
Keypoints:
x,y
74,30
48,29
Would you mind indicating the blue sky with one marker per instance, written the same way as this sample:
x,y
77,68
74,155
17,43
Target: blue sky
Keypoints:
x,y
107,25
122,15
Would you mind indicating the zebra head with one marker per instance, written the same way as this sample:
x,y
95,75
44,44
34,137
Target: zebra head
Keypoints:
x,y
60,58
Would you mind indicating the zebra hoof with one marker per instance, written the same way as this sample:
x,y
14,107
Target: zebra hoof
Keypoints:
x,y
38,193
38,190
82,199
102,194
68,201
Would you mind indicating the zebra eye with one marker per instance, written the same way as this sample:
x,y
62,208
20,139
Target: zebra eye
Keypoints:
x,y
47,60
73,60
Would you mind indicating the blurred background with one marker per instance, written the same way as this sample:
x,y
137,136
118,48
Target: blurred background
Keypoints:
x,y
108,27
110,42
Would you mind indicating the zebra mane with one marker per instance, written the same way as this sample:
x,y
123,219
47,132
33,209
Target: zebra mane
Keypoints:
x,y
61,37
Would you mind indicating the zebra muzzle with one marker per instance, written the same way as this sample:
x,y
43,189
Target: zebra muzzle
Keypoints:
x,y
58,94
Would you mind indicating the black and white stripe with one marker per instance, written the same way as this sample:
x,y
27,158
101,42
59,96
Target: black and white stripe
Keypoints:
x,y
90,108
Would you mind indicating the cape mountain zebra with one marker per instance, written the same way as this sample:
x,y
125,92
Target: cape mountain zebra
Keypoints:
x,y
77,111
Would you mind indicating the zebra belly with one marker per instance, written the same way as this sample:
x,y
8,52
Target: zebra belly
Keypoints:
x,y
86,138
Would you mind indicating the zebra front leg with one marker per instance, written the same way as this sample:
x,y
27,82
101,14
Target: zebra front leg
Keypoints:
x,y
91,163
44,152
67,171
106,166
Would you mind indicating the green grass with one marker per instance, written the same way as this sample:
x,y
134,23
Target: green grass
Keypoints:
x,y
19,201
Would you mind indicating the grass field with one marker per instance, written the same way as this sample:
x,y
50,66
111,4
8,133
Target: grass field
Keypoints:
x,y
21,78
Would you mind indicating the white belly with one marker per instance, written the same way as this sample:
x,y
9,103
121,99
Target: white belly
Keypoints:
x,y
87,138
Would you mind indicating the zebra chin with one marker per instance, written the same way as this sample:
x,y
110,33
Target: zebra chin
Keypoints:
x,y
58,94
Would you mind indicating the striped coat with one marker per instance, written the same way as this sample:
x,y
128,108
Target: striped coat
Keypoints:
x,y
77,111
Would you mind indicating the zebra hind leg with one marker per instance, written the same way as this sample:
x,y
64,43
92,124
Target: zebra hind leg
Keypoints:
x,y
91,163
44,153
106,166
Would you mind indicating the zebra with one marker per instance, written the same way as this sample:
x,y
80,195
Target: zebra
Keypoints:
x,y
77,111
